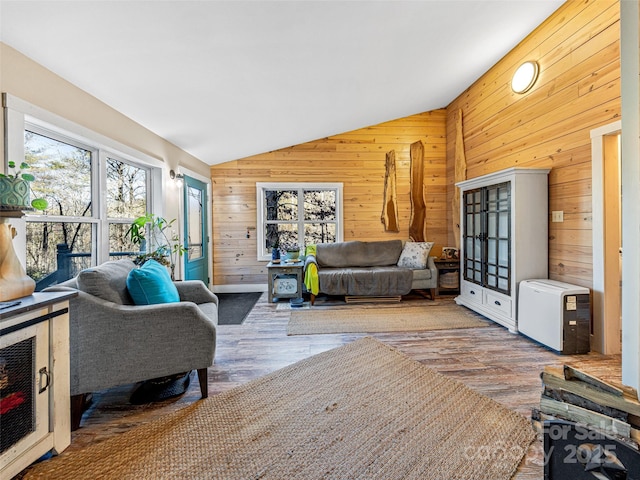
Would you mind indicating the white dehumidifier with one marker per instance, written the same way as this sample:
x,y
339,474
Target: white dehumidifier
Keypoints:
x,y
555,314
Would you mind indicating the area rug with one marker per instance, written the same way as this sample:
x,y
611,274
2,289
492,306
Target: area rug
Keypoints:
x,y
233,308
361,411
383,319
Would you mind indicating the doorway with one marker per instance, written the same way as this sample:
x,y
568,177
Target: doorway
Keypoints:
x,y
196,259
607,239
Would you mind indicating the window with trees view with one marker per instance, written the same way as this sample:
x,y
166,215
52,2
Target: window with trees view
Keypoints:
x,y
93,197
294,215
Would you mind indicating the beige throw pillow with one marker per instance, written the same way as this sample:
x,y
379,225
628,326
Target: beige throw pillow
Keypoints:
x,y
415,254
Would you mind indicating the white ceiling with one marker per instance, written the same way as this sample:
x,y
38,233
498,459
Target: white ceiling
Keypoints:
x,y
228,79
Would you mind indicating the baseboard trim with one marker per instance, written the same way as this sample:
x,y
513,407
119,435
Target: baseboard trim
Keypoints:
x,y
242,288
372,299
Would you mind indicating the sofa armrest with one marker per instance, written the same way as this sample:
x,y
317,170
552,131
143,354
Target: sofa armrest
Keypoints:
x,y
195,291
431,265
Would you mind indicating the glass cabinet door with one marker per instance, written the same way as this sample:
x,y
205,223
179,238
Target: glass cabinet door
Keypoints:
x,y
497,206
486,231
472,236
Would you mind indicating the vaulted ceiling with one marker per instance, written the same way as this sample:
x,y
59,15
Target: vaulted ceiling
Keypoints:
x,y
228,79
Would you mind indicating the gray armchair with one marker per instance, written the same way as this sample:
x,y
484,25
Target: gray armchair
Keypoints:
x,y
114,342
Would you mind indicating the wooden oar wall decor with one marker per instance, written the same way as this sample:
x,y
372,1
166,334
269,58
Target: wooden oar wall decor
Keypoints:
x,y
459,175
418,223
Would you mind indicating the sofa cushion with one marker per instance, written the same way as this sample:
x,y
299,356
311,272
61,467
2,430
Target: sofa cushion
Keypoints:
x,y
151,284
415,255
366,281
108,281
421,274
358,254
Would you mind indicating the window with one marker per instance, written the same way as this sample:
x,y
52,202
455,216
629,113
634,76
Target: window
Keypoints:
x,y
59,240
95,188
63,239
291,214
127,199
195,207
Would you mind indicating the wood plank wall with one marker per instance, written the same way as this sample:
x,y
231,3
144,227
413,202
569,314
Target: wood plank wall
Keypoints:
x,y
355,158
578,49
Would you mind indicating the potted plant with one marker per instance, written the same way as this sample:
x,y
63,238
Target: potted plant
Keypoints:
x,y
15,189
291,251
164,244
14,197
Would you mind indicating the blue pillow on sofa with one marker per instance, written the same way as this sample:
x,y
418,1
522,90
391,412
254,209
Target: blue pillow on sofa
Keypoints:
x,y
151,284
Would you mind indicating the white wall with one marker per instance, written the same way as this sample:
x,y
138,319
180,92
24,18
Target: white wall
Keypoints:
x,y
630,56
25,79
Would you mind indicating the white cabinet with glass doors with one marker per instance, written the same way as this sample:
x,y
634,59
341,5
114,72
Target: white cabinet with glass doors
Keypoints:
x,y
504,239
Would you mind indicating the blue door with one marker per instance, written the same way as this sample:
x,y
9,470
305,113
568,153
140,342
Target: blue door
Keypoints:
x,y
196,259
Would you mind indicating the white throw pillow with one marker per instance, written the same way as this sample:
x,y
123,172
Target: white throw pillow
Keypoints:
x,y
415,254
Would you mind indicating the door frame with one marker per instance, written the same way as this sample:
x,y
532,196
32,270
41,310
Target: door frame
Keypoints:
x,y
604,339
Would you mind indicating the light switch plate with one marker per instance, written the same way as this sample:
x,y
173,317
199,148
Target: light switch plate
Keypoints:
x,y
557,216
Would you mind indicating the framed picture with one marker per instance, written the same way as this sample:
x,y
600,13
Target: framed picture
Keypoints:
x,y
450,253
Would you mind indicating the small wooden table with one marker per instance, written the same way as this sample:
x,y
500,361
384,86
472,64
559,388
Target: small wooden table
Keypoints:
x,y
447,266
285,280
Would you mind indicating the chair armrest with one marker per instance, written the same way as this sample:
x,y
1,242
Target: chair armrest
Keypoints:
x,y
195,291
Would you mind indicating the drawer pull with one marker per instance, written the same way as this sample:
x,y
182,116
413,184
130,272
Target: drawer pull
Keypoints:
x,y
497,303
472,292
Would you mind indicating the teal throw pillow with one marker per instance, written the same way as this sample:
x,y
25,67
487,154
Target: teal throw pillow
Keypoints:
x,y
151,284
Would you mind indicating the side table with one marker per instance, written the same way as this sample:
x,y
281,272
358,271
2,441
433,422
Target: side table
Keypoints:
x,y
285,280
448,276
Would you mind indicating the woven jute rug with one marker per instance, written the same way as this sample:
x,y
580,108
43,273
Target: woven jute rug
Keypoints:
x,y
383,319
361,411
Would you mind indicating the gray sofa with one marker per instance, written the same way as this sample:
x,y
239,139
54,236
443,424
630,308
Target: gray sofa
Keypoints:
x,y
114,342
368,269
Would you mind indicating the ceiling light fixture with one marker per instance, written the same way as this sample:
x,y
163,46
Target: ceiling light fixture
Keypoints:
x,y
525,76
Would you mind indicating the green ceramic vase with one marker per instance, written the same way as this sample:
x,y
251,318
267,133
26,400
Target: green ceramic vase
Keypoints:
x,y
14,193
292,255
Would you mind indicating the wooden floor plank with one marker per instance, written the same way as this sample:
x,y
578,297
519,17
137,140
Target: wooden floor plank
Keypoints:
x,y
496,363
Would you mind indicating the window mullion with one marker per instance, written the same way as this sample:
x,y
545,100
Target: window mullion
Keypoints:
x,y
99,178
60,219
301,216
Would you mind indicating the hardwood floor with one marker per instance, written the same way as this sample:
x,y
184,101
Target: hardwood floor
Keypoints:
x,y
491,360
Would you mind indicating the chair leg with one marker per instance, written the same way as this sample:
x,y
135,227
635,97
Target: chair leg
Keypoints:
x,y
432,291
204,383
77,405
